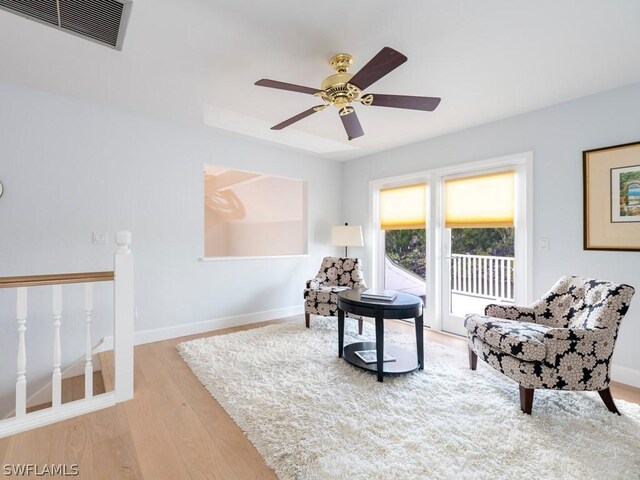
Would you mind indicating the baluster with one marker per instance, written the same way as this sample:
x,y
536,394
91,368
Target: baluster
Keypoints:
x,y
88,358
464,274
56,377
21,382
472,262
496,278
509,292
507,274
454,260
502,278
485,261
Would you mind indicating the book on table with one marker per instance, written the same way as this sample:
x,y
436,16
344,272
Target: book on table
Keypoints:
x,y
379,294
371,356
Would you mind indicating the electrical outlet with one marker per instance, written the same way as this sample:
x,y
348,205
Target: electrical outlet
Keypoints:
x,y
100,238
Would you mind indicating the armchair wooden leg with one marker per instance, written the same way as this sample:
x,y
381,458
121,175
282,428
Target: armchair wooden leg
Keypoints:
x,y
606,397
307,319
526,399
473,359
360,322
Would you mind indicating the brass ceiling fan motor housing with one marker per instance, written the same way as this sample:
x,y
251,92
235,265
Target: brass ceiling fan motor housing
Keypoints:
x,y
336,89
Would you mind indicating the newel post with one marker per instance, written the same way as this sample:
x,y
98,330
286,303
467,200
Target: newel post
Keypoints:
x,y
123,318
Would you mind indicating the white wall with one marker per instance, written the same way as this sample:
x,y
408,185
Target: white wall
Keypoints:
x,y
557,135
70,168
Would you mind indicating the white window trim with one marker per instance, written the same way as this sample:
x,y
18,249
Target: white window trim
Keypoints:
x,y
523,162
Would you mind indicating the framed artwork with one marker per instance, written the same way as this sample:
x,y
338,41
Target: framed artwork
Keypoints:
x,y
612,198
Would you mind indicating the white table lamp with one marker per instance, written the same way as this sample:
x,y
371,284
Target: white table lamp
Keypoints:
x,y
347,236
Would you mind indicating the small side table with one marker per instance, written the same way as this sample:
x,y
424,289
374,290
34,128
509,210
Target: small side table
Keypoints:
x,y
403,306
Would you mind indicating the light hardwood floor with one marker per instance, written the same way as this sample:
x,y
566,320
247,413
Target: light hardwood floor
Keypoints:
x,y
173,428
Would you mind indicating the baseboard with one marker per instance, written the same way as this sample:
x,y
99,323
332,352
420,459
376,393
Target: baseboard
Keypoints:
x,y
158,334
625,375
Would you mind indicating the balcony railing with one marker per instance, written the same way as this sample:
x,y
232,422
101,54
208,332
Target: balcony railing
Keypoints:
x,y
483,276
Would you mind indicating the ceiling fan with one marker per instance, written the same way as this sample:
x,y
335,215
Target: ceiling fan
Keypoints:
x,y
342,89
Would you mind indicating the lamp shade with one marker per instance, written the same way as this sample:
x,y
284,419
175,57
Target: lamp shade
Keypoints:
x,y
347,236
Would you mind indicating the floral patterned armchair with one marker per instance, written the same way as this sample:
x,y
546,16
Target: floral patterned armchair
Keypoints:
x,y
336,274
564,341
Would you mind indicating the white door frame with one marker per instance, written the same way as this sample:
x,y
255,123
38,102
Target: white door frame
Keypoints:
x,y
522,162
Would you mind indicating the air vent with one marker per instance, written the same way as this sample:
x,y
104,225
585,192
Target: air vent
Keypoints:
x,y
102,21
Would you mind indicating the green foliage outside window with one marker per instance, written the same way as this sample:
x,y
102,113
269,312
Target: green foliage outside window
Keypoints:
x,y
494,242
408,248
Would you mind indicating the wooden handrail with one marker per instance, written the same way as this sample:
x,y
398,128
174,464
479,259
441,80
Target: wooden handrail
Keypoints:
x,y
55,279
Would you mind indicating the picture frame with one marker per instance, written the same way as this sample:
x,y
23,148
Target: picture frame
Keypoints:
x,y
611,191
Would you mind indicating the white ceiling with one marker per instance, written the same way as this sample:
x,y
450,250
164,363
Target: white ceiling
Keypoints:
x,y
197,60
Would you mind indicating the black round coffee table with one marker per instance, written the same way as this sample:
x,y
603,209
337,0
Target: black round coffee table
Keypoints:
x,y
403,306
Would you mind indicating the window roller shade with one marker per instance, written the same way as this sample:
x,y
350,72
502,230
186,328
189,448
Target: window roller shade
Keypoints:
x,y
482,201
403,208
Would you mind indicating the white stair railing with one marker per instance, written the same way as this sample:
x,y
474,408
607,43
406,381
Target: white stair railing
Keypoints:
x,y
21,381
122,276
483,276
88,344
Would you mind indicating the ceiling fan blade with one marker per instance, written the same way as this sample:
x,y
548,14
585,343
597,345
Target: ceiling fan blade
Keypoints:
x,y
298,117
383,63
286,86
427,104
352,125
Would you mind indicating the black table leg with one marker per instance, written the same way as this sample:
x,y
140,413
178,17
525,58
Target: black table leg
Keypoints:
x,y
340,332
380,343
420,340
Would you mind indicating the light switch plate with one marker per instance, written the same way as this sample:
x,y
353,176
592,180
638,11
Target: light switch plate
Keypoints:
x,y
100,238
544,243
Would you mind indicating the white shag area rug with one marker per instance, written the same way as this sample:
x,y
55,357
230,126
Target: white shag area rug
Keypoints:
x,y
313,416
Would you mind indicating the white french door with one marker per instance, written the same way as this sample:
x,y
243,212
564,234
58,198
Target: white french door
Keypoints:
x,y
457,282
474,276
